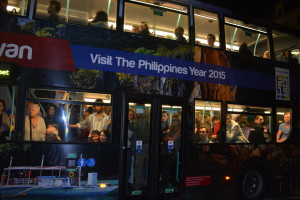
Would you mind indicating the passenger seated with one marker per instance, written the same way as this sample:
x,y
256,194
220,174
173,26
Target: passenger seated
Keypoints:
x,y
211,38
53,10
289,58
94,136
51,134
234,132
144,29
179,31
243,50
135,29
201,137
100,20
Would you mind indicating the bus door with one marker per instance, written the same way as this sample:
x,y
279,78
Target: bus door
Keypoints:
x,y
151,148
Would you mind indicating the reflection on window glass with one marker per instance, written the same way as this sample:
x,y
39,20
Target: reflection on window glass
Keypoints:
x,y
207,122
248,124
80,12
207,28
286,47
169,148
245,38
87,121
284,124
7,112
138,140
17,7
157,20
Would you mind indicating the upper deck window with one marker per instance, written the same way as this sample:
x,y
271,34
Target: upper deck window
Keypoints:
x,y
206,23
161,18
17,7
79,12
283,43
238,32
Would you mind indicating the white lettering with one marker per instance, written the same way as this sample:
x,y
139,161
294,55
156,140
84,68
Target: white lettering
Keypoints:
x,y
94,57
29,52
13,51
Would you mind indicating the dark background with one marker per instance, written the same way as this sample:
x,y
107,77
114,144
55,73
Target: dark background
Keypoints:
x,y
264,9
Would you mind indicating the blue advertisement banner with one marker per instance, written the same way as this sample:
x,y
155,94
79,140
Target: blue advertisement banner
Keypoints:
x,y
140,64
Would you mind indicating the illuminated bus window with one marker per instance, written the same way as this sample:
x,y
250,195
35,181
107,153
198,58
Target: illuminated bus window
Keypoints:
x,y
284,124
285,42
206,23
207,122
161,19
61,116
8,96
79,12
238,32
17,7
248,124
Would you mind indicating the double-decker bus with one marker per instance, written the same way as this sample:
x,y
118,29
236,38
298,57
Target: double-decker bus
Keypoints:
x,y
140,99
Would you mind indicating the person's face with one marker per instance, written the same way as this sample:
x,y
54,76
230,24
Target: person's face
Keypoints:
x,y
178,32
228,120
143,27
1,106
287,118
51,111
95,138
260,120
102,137
164,117
4,4
51,130
135,29
33,111
203,133
175,121
86,114
98,109
130,115
210,41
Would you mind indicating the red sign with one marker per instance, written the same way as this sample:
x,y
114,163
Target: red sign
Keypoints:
x,y
192,181
37,52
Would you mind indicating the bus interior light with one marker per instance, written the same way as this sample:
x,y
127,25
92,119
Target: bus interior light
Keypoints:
x,y
227,178
280,113
159,6
106,101
147,105
89,100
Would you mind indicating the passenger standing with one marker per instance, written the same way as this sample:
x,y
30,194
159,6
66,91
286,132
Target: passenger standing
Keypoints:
x,y
257,135
169,156
35,127
3,5
4,121
100,20
284,128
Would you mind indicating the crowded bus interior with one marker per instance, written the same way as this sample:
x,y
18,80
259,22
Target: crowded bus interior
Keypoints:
x,y
147,99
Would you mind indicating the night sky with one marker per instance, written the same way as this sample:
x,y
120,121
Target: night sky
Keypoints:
x,y
263,9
